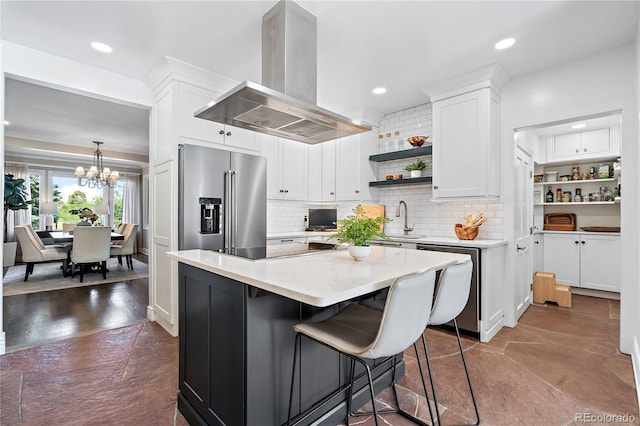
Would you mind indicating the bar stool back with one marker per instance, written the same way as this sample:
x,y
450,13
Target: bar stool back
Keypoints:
x,y
452,295
363,333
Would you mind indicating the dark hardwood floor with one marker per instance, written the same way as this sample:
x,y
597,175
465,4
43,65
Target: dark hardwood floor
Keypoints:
x,y
34,319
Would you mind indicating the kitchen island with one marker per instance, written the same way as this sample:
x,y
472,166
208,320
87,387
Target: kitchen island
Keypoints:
x,y
236,330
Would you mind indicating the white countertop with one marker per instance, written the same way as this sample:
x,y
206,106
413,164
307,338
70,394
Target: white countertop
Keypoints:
x,y
449,241
321,279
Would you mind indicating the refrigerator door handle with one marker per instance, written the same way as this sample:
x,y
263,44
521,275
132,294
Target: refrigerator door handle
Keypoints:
x,y
234,209
227,211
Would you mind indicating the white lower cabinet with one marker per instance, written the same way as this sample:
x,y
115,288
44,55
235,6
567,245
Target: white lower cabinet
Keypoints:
x,y
583,260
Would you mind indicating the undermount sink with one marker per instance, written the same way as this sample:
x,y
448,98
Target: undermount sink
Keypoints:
x,y
404,237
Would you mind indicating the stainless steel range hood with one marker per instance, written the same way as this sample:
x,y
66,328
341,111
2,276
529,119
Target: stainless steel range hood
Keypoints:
x,y
287,107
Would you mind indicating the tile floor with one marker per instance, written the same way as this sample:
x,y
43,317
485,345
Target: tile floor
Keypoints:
x,y
556,364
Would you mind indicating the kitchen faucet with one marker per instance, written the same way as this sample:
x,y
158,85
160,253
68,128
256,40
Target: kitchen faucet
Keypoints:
x,y
406,226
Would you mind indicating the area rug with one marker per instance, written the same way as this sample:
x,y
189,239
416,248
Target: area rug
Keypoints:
x,y
48,277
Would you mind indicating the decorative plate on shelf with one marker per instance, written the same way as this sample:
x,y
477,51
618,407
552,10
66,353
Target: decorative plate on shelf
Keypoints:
x,y
417,141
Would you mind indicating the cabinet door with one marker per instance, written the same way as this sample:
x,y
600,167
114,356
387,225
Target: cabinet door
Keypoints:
x,y
461,145
597,142
294,166
315,172
564,146
271,150
193,98
241,138
348,168
562,256
329,171
600,262
538,251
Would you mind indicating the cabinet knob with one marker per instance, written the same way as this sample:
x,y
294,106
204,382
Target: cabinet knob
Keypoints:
x,y
282,190
584,242
357,191
221,132
577,151
536,242
518,248
286,190
584,149
435,186
228,133
576,242
332,193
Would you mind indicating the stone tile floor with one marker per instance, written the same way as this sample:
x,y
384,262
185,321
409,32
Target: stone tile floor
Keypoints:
x,y
555,364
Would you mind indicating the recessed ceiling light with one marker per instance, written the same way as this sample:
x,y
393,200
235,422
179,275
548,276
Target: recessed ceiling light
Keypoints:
x,y
579,126
503,44
6,122
101,47
379,90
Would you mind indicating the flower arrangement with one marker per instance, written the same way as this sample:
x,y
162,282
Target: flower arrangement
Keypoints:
x,y
359,229
86,215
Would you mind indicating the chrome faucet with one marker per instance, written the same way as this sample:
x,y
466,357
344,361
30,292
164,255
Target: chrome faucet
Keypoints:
x,y
406,226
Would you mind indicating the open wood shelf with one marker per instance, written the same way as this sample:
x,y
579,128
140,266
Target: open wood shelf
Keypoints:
x,y
397,155
423,179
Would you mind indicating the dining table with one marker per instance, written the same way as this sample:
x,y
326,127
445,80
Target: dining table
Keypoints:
x,y
64,239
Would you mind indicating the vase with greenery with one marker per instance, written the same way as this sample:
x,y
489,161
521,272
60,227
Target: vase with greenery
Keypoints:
x,y
16,198
416,168
359,230
86,215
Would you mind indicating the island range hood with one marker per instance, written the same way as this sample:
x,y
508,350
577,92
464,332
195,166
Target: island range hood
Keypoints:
x,y
285,105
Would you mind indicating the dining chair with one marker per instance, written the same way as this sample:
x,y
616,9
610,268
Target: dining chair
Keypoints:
x,y
68,227
125,247
34,251
120,229
451,297
362,333
90,246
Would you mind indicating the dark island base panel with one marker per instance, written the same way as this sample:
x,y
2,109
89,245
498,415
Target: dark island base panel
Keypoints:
x,y
236,354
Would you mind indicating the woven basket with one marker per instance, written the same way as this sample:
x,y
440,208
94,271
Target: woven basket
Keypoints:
x,y
469,233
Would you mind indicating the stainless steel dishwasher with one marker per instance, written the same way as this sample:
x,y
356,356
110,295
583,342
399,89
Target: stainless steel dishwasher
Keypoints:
x,y
469,318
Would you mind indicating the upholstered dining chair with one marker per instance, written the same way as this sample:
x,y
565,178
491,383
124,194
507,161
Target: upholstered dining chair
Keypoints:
x,y
34,251
68,227
126,247
120,229
90,246
362,333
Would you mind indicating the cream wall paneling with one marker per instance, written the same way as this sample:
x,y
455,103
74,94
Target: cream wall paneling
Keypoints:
x,y
466,151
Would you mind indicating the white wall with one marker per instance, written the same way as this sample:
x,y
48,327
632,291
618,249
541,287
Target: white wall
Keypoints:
x,y
598,83
2,334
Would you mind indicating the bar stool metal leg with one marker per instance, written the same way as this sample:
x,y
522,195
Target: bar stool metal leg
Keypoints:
x,y
464,363
433,388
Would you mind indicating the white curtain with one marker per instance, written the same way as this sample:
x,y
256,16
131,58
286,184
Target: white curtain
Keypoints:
x,y
131,212
20,217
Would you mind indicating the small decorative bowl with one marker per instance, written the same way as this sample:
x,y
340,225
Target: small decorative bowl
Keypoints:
x,y
389,177
397,177
469,233
417,141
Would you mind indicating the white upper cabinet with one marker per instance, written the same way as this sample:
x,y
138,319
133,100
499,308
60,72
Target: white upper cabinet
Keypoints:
x,y
287,168
466,149
583,145
322,171
353,170
193,98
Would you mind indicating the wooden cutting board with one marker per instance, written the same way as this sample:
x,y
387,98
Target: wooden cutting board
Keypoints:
x,y
373,211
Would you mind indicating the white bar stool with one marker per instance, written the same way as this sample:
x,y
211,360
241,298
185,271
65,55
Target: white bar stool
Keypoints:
x,y
363,333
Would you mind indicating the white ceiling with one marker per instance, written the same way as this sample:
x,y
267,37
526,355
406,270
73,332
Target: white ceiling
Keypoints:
x,y
407,47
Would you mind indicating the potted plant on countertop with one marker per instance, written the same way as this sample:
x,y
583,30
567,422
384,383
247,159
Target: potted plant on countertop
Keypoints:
x,y
359,230
416,168
15,198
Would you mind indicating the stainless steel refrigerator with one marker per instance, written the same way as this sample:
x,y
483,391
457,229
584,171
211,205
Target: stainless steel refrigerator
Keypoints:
x,y
223,201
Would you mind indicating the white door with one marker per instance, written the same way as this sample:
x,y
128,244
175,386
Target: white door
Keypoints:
x,y
523,225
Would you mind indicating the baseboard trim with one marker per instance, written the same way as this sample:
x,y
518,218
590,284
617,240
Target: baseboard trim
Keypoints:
x,y
595,293
151,313
635,362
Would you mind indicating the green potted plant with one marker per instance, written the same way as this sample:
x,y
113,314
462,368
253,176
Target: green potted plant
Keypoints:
x,y
416,168
86,215
16,198
359,230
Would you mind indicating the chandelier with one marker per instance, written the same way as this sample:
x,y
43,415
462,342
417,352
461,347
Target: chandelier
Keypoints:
x,y
97,176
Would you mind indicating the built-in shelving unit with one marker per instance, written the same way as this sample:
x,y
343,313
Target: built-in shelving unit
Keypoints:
x,y
423,179
398,155
584,203
575,182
